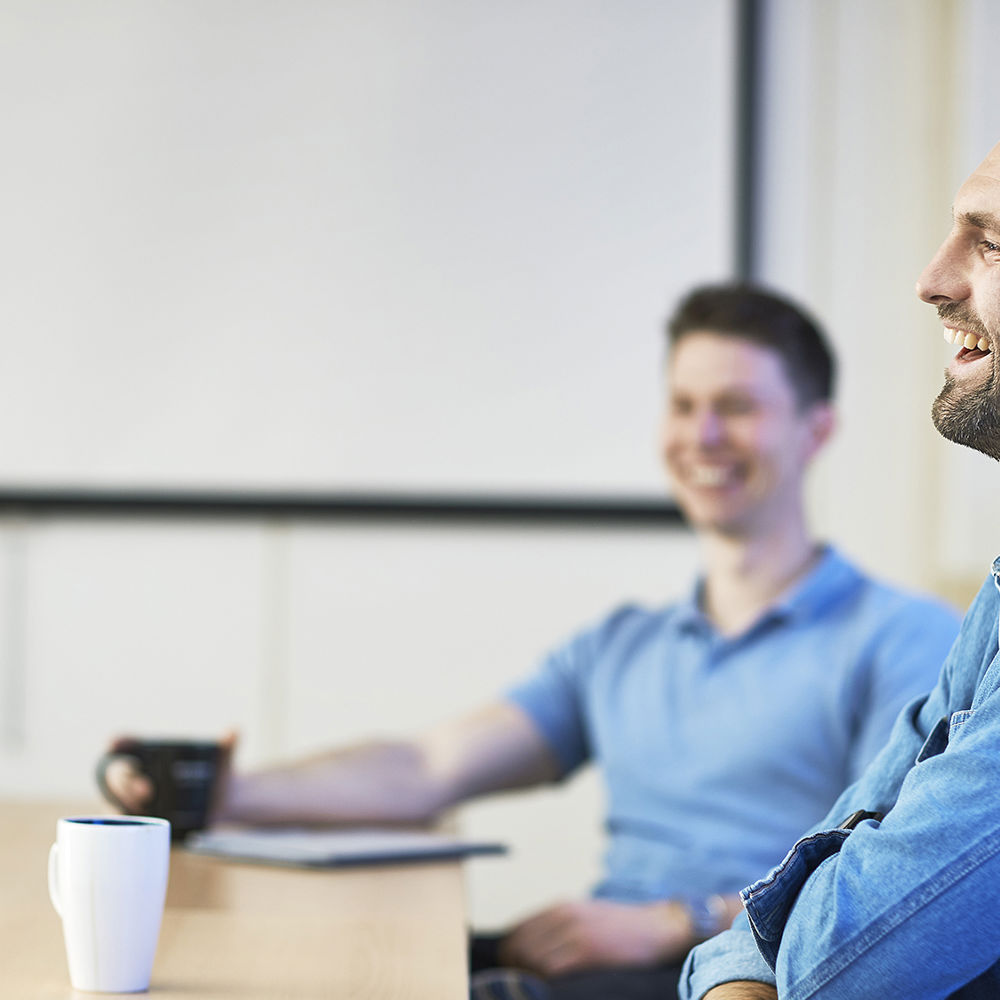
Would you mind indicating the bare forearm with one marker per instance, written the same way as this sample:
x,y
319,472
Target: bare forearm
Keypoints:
x,y
406,781
385,782
742,991
596,933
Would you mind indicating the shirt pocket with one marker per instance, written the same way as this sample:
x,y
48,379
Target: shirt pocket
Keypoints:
x,y
958,719
944,731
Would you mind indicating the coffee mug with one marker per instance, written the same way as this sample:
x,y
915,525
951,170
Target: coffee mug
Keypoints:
x,y
183,774
108,882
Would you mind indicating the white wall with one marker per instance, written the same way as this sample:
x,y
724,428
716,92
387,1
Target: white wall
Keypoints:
x,y
353,244
304,634
874,113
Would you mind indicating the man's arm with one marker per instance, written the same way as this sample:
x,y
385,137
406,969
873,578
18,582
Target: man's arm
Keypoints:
x,y
733,956
742,991
908,902
729,960
599,933
408,781
911,900
402,781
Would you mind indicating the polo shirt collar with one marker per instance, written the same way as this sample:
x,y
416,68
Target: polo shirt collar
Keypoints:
x,y
831,576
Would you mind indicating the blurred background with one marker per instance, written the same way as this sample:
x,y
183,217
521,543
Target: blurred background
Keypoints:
x,y
332,346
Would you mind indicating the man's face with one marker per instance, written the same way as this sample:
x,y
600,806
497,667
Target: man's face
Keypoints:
x,y
963,281
735,441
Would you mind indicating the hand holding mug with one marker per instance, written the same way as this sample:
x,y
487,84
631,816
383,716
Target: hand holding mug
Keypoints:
x,y
178,780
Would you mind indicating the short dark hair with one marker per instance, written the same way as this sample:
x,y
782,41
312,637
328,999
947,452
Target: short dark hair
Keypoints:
x,y
765,318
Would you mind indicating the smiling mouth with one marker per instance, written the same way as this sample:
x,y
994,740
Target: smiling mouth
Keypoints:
x,y
710,475
972,347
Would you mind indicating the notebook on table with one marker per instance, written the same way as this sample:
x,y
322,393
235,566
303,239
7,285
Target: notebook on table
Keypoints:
x,y
310,848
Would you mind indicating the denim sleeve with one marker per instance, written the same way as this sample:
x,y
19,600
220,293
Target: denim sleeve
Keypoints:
x,y
844,916
728,957
909,903
738,954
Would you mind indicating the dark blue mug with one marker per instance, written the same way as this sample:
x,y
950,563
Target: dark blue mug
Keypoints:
x,y
184,775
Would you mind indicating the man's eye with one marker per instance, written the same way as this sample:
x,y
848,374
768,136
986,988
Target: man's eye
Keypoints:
x,y
990,247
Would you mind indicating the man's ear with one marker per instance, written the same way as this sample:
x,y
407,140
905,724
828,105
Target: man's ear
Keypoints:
x,y
821,422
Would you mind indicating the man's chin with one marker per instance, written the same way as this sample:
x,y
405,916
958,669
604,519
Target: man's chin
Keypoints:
x,y
971,419
728,525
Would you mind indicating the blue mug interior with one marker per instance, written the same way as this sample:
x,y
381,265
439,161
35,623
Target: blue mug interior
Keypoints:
x,y
109,821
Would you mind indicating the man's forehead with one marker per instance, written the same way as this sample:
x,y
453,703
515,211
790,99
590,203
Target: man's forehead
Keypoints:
x,y
981,192
723,358
992,161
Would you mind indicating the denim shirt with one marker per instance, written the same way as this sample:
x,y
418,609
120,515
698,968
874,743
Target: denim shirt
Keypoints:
x,y
909,906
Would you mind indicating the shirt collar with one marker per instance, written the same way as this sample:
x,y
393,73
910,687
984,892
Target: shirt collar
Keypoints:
x,y
831,576
687,612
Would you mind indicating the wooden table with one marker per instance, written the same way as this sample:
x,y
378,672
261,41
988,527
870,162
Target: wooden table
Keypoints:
x,y
248,931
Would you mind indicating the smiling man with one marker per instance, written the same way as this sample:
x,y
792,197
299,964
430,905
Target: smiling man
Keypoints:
x,y
895,893
723,723
968,407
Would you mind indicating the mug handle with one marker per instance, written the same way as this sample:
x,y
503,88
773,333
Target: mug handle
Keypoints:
x,y
54,878
101,774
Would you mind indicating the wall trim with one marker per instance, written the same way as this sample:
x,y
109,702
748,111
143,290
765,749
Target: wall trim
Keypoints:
x,y
424,508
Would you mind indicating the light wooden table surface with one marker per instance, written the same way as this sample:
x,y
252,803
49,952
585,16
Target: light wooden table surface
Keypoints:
x,y
248,931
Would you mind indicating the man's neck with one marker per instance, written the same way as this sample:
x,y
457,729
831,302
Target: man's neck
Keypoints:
x,y
746,574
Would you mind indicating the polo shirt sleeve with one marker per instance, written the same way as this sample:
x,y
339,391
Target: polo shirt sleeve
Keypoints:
x,y
554,698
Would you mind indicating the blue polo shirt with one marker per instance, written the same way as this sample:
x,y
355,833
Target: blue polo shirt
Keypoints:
x,y
717,752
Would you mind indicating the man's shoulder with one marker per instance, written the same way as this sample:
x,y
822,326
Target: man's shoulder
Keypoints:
x,y
637,614
877,601
626,629
639,619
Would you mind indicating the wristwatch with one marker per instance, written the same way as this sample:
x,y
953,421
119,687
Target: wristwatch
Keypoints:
x,y
708,914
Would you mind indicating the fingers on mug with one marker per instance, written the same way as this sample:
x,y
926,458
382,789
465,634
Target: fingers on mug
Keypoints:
x,y
101,773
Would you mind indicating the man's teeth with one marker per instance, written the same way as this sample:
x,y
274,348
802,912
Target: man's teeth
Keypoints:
x,y
709,475
967,340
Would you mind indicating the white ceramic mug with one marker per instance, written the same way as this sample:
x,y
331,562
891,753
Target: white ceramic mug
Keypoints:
x,y
108,882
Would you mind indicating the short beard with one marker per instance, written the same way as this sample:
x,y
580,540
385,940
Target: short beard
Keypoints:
x,y
969,417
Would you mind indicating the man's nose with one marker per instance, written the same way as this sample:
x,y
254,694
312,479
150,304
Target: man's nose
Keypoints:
x,y
710,428
944,279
